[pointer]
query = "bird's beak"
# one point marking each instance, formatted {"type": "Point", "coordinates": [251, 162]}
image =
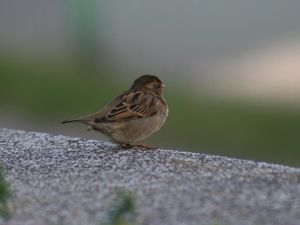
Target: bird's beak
{"type": "Point", "coordinates": [163, 85]}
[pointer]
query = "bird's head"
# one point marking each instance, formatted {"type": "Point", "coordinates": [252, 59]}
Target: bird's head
{"type": "Point", "coordinates": [148, 82]}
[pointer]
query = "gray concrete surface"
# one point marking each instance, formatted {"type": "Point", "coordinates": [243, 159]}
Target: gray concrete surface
{"type": "Point", "coordinates": [58, 180]}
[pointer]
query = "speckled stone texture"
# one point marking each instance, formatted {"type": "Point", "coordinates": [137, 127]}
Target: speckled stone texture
{"type": "Point", "coordinates": [58, 180]}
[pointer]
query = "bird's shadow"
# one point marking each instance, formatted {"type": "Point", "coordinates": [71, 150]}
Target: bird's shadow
{"type": "Point", "coordinates": [138, 147]}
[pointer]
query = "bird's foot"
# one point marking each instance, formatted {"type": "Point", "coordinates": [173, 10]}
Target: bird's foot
{"type": "Point", "coordinates": [143, 146]}
{"type": "Point", "coordinates": [126, 146]}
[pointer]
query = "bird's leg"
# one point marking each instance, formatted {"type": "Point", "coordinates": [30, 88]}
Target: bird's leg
{"type": "Point", "coordinates": [143, 146]}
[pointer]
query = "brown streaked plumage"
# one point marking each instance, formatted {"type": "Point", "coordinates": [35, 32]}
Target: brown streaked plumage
{"type": "Point", "coordinates": [134, 115]}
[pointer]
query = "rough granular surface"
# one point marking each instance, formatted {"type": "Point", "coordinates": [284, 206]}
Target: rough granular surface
{"type": "Point", "coordinates": [58, 180]}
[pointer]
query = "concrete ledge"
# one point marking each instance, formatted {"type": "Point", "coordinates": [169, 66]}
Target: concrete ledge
{"type": "Point", "coordinates": [64, 180]}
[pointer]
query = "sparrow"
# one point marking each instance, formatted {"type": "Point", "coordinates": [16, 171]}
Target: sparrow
{"type": "Point", "coordinates": [132, 116]}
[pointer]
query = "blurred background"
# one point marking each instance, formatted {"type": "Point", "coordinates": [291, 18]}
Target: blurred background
{"type": "Point", "coordinates": [232, 69]}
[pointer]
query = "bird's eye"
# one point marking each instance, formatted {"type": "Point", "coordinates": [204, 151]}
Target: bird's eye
{"type": "Point", "coordinates": [156, 85]}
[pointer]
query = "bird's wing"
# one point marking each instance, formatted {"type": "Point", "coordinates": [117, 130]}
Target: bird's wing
{"type": "Point", "coordinates": [130, 105]}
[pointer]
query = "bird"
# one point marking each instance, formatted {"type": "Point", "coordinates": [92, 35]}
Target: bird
{"type": "Point", "coordinates": [133, 116]}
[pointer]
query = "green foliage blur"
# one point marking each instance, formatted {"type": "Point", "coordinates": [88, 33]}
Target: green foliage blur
{"type": "Point", "coordinates": [4, 196]}
{"type": "Point", "coordinates": [46, 92]}
{"type": "Point", "coordinates": [122, 210]}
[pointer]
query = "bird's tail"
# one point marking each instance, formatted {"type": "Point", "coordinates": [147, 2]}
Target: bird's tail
{"type": "Point", "coordinates": [71, 121]}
